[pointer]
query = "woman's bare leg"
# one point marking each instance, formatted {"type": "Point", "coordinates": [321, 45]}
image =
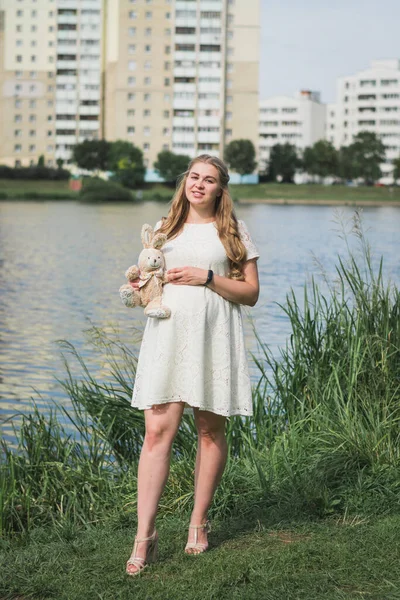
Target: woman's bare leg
{"type": "Point", "coordinates": [162, 422]}
{"type": "Point", "coordinates": [212, 451]}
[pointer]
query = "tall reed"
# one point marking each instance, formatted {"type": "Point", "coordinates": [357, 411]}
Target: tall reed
{"type": "Point", "coordinates": [325, 435]}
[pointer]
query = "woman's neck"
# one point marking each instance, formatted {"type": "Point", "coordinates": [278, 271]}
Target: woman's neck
{"type": "Point", "coordinates": [197, 217]}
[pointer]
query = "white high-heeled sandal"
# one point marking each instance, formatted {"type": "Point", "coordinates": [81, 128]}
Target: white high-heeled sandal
{"type": "Point", "coordinates": [151, 554]}
{"type": "Point", "coordinates": [199, 546]}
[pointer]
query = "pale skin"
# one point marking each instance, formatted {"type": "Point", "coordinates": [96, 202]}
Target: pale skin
{"type": "Point", "coordinates": [162, 421]}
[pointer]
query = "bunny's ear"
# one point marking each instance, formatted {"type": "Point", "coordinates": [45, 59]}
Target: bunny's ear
{"type": "Point", "coordinates": [147, 235]}
{"type": "Point", "coordinates": [159, 240]}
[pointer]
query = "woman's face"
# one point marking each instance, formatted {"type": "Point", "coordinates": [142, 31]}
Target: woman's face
{"type": "Point", "coordinates": [202, 185]}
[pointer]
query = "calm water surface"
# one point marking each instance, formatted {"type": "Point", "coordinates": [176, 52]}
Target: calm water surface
{"type": "Point", "coordinates": [61, 264]}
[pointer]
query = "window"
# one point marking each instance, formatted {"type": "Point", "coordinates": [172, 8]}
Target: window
{"type": "Point", "coordinates": [147, 65]}
{"type": "Point", "coordinates": [147, 113]}
{"type": "Point", "coordinates": [17, 148]}
{"type": "Point", "coordinates": [147, 48]}
{"type": "Point", "coordinates": [130, 130]}
{"type": "Point", "coordinates": [32, 133]}
{"type": "Point", "coordinates": [18, 103]}
{"type": "Point", "coordinates": [34, 13]}
{"type": "Point", "coordinates": [32, 118]}
{"type": "Point", "coordinates": [17, 118]}
{"type": "Point", "coordinates": [18, 28]}
{"type": "Point", "coordinates": [131, 97]}
{"type": "Point", "coordinates": [148, 14]}
{"type": "Point", "coordinates": [167, 31]}
{"type": "Point", "coordinates": [167, 81]}
{"type": "Point", "coordinates": [32, 148]}
{"type": "Point", "coordinates": [132, 14]}
{"type": "Point", "coordinates": [147, 31]}
{"type": "Point", "coordinates": [19, 42]}
{"type": "Point", "coordinates": [131, 48]}
{"type": "Point", "coordinates": [131, 112]}
{"type": "Point", "coordinates": [49, 133]}
{"type": "Point", "coordinates": [17, 133]}
{"type": "Point", "coordinates": [228, 116]}
{"type": "Point", "coordinates": [165, 131]}
{"type": "Point", "coordinates": [389, 82]}
{"type": "Point", "coordinates": [132, 31]}
{"type": "Point", "coordinates": [33, 58]}
{"type": "Point", "coordinates": [167, 15]}
{"type": "Point", "coordinates": [18, 58]}
{"type": "Point", "coordinates": [32, 87]}
{"type": "Point", "coordinates": [146, 146]}
{"type": "Point", "coordinates": [20, 13]}
{"type": "Point", "coordinates": [166, 114]}
{"type": "Point", "coordinates": [131, 81]}
{"type": "Point", "coordinates": [229, 99]}
{"type": "Point", "coordinates": [147, 80]}
{"type": "Point", "coordinates": [147, 97]}
{"type": "Point", "coordinates": [132, 65]}
{"type": "Point", "coordinates": [167, 66]}
{"type": "Point", "coordinates": [167, 97]}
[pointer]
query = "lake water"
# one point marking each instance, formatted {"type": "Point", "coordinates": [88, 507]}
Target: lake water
{"type": "Point", "coordinates": [62, 263]}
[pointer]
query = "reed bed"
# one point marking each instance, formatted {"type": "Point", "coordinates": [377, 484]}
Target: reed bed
{"type": "Point", "coordinates": [325, 436]}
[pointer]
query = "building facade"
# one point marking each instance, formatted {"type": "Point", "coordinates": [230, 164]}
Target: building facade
{"type": "Point", "coordinates": [299, 121]}
{"type": "Point", "coordinates": [180, 75]}
{"type": "Point", "coordinates": [369, 101]}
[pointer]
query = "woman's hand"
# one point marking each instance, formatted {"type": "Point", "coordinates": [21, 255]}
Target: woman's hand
{"type": "Point", "coordinates": [135, 284]}
{"type": "Point", "coordinates": [187, 276]}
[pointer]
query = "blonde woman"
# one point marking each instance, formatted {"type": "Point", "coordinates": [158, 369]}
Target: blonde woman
{"type": "Point", "coordinates": [195, 359]}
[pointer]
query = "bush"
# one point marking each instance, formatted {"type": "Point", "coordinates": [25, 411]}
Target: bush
{"type": "Point", "coordinates": [98, 190]}
{"type": "Point", "coordinates": [34, 173]}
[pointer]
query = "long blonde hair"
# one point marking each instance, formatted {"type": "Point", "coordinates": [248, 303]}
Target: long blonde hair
{"type": "Point", "coordinates": [225, 218]}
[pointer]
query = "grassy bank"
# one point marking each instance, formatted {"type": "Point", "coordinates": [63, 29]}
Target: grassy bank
{"type": "Point", "coordinates": [316, 467]}
{"type": "Point", "coordinates": [261, 559]}
{"type": "Point", "coordinates": [262, 193]}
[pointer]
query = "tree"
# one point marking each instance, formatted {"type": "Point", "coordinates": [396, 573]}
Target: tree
{"type": "Point", "coordinates": [240, 156]}
{"type": "Point", "coordinates": [60, 163]}
{"type": "Point", "coordinates": [347, 168]}
{"type": "Point", "coordinates": [321, 159]}
{"type": "Point", "coordinates": [126, 162]}
{"type": "Point", "coordinates": [283, 162]}
{"type": "Point", "coordinates": [396, 169]}
{"type": "Point", "coordinates": [92, 155]}
{"type": "Point", "coordinates": [368, 153]}
{"type": "Point", "coordinates": [41, 161]}
{"type": "Point", "coordinates": [169, 165]}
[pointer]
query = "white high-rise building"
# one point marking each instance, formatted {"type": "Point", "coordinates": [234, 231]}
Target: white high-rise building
{"type": "Point", "coordinates": [299, 121]}
{"type": "Point", "coordinates": [369, 101]}
{"type": "Point", "coordinates": [78, 75]}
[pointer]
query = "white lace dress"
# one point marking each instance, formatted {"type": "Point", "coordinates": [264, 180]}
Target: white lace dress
{"type": "Point", "coordinates": [197, 355]}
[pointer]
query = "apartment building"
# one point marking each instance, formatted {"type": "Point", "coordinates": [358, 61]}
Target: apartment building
{"type": "Point", "coordinates": [181, 75]}
{"type": "Point", "coordinates": [299, 121]}
{"type": "Point", "coordinates": [370, 101]}
{"type": "Point", "coordinates": [27, 81]}
{"type": "Point", "coordinates": [78, 73]}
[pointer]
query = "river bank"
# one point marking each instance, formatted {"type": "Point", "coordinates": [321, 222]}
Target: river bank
{"type": "Point", "coordinates": [263, 193]}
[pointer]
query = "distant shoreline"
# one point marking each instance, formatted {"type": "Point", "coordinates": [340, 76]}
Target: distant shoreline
{"type": "Point", "coordinates": [319, 202]}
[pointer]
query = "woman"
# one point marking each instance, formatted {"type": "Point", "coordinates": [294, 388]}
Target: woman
{"type": "Point", "coordinates": [195, 359]}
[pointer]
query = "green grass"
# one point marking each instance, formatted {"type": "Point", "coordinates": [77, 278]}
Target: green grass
{"type": "Point", "coordinates": [333, 193]}
{"type": "Point", "coordinates": [265, 557]}
{"type": "Point", "coordinates": [14, 189]}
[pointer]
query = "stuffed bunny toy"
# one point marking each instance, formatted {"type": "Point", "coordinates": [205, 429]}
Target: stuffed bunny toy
{"type": "Point", "coordinates": [151, 274]}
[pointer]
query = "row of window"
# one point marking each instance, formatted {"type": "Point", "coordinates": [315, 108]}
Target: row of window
{"type": "Point", "coordinates": [374, 97]}
{"type": "Point", "coordinates": [274, 111]}
{"type": "Point", "coordinates": [179, 113]}
{"type": "Point", "coordinates": [147, 15]}
{"type": "Point", "coordinates": [31, 149]}
{"type": "Point", "coordinates": [33, 14]}
{"type": "Point", "coordinates": [373, 82]}
{"type": "Point", "coordinates": [283, 123]}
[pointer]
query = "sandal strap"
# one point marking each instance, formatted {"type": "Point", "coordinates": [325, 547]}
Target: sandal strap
{"type": "Point", "coordinates": [152, 537]}
{"type": "Point", "coordinates": [206, 525]}
{"type": "Point", "coordinates": [136, 561]}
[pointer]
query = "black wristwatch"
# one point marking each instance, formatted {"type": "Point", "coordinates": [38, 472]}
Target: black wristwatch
{"type": "Point", "coordinates": [209, 277]}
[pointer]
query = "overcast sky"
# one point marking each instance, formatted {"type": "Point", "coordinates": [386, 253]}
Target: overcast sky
{"type": "Point", "coordinates": [307, 44]}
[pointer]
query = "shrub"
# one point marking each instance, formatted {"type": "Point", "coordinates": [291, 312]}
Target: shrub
{"type": "Point", "coordinates": [98, 190]}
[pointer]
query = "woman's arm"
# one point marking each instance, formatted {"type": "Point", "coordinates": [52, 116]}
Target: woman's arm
{"type": "Point", "coordinates": [241, 292]}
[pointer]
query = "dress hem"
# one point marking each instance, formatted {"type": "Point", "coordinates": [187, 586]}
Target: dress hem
{"type": "Point", "coordinates": [190, 405]}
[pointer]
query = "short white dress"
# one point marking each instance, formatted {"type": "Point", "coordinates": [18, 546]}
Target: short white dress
{"type": "Point", "coordinates": [197, 355]}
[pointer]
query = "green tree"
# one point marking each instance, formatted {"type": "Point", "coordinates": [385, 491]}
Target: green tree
{"type": "Point", "coordinates": [240, 156]}
{"type": "Point", "coordinates": [396, 168]}
{"type": "Point", "coordinates": [126, 162]}
{"type": "Point", "coordinates": [60, 163]}
{"type": "Point", "coordinates": [347, 168]}
{"type": "Point", "coordinates": [321, 159]}
{"type": "Point", "coordinates": [41, 161]}
{"type": "Point", "coordinates": [92, 155]}
{"type": "Point", "coordinates": [283, 162]}
{"type": "Point", "coordinates": [169, 165]}
{"type": "Point", "coordinates": [368, 153]}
